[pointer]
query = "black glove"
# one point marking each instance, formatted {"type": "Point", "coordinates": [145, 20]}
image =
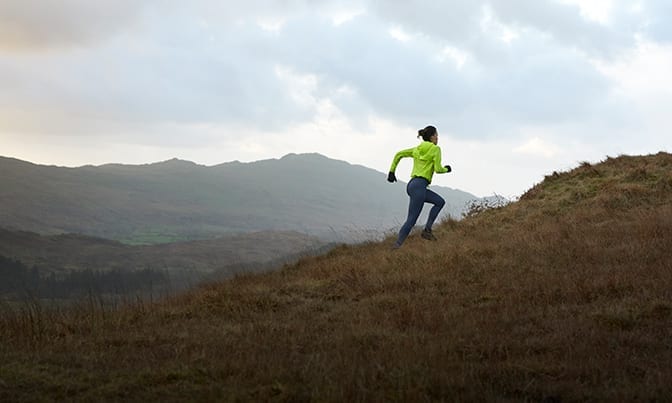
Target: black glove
{"type": "Point", "coordinates": [448, 168]}
{"type": "Point", "coordinates": [391, 177]}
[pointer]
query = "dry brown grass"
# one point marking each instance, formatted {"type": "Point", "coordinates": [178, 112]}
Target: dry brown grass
{"type": "Point", "coordinates": [564, 295]}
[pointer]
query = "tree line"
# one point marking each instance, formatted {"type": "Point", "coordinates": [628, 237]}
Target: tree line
{"type": "Point", "coordinates": [18, 280]}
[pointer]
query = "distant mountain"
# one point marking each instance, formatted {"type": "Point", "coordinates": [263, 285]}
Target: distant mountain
{"type": "Point", "coordinates": [180, 200]}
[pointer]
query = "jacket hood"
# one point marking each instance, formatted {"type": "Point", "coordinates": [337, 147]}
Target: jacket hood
{"type": "Point", "coordinates": [423, 150]}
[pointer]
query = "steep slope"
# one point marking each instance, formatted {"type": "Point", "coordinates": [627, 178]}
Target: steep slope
{"type": "Point", "coordinates": [179, 200]}
{"type": "Point", "coordinates": [565, 295]}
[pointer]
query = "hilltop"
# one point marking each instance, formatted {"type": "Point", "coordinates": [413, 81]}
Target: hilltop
{"type": "Point", "coordinates": [564, 295]}
{"type": "Point", "coordinates": [178, 200]}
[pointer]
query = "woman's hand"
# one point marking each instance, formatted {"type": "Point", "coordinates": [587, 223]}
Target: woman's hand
{"type": "Point", "coordinates": [391, 177]}
{"type": "Point", "coordinates": [449, 169]}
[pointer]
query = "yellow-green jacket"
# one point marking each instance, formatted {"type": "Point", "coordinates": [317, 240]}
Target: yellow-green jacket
{"type": "Point", "coordinates": [426, 160]}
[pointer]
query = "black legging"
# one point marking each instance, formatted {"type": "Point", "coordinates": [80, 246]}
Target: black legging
{"type": "Point", "coordinates": [419, 195]}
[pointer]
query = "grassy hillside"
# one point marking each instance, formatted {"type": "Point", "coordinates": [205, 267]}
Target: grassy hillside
{"type": "Point", "coordinates": [178, 200]}
{"type": "Point", "coordinates": [564, 295]}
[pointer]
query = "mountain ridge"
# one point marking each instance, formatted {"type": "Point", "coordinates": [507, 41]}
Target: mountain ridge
{"type": "Point", "coordinates": [309, 193]}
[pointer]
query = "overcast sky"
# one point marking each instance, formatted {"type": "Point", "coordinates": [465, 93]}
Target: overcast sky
{"type": "Point", "coordinates": [516, 88]}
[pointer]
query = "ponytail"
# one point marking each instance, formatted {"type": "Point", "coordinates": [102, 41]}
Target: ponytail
{"type": "Point", "coordinates": [427, 133]}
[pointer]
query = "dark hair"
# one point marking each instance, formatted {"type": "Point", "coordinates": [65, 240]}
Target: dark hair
{"type": "Point", "coordinates": [427, 132]}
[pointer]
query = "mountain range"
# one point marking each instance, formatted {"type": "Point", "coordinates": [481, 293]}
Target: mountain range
{"type": "Point", "coordinates": [178, 200]}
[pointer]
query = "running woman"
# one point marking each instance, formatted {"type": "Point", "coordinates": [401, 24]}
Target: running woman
{"type": "Point", "coordinates": [426, 161]}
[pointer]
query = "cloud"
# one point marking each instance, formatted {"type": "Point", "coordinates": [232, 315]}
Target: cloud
{"type": "Point", "coordinates": [217, 63]}
{"type": "Point", "coordinates": [473, 25]}
{"type": "Point", "coordinates": [657, 25]}
{"type": "Point", "coordinates": [132, 85]}
{"type": "Point", "coordinates": [34, 25]}
{"type": "Point", "coordinates": [411, 80]}
{"type": "Point", "coordinates": [565, 24]}
{"type": "Point", "coordinates": [538, 147]}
